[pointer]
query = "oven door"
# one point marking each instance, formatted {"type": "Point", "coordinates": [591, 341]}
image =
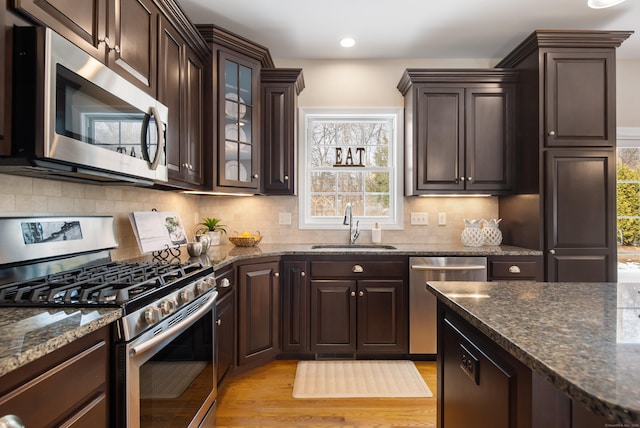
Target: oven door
{"type": "Point", "coordinates": [169, 377]}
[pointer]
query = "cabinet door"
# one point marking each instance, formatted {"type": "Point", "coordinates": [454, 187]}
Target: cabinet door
{"type": "Point", "coordinates": [82, 22]}
{"type": "Point", "coordinates": [192, 138]}
{"type": "Point", "coordinates": [333, 316]}
{"type": "Point", "coordinates": [477, 391]}
{"type": "Point", "coordinates": [238, 133]}
{"type": "Point", "coordinates": [381, 316]}
{"type": "Point", "coordinates": [225, 335]}
{"type": "Point", "coordinates": [170, 93]}
{"type": "Point", "coordinates": [580, 215]}
{"type": "Point", "coordinates": [259, 312]}
{"type": "Point", "coordinates": [580, 99]}
{"type": "Point", "coordinates": [490, 137]}
{"type": "Point", "coordinates": [278, 103]}
{"type": "Point", "coordinates": [133, 28]}
{"type": "Point", "coordinates": [439, 156]}
{"type": "Point", "coordinates": [295, 310]}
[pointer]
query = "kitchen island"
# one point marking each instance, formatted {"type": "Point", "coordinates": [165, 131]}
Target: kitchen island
{"type": "Point", "coordinates": [571, 349]}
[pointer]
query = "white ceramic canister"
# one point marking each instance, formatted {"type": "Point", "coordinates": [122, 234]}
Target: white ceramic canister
{"type": "Point", "coordinates": [472, 234]}
{"type": "Point", "coordinates": [491, 231]}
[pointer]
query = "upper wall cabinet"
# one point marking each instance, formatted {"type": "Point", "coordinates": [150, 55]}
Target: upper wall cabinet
{"type": "Point", "coordinates": [235, 126]}
{"type": "Point", "coordinates": [459, 130]}
{"type": "Point", "coordinates": [280, 90]}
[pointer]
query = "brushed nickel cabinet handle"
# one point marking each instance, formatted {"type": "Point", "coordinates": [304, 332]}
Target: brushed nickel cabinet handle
{"type": "Point", "coordinates": [552, 251]}
{"type": "Point", "coordinates": [361, 293]}
{"type": "Point", "coordinates": [552, 133]}
{"type": "Point", "coordinates": [353, 294]}
{"type": "Point", "coordinates": [357, 269]}
{"type": "Point", "coordinates": [514, 269]}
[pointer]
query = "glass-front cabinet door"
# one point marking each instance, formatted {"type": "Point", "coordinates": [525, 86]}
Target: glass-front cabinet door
{"type": "Point", "coordinates": [238, 136]}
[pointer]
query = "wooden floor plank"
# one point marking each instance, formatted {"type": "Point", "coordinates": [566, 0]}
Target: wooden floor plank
{"type": "Point", "coordinates": [262, 398]}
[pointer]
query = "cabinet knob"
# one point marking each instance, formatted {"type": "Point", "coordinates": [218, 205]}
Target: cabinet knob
{"type": "Point", "coordinates": [469, 179]}
{"type": "Point", "coordinates": [514, 269]}
{"type": "Point", "coordinates": [552, 251]}
{"type": "Point", "coordinates": [11, 421]}
{"type": "Point", "coordinates": [276, 274]}
{"type": "Point", "coordinates": [353, 294]}
{"type": "Point", "coordinates": [361, 293]}
{"type": "Point", "coordinates": [303, 274]}
{"type": "Point", "coordinates": [225, 283]}
{"type": "Point", "coordinates": [107, 43]}
{"type": "Point", "coordinates": [461, 178]}
{"type": "Point", "coordinates": [552, 133]}
{"type": "Point", "coordinates": [218, 321]}
{"type": "Point", "coordinates": [255, 175]}
{"type": "Point", "coordinates": [286, 178]}
{"type": "Point", "coordinates": [357, 269]}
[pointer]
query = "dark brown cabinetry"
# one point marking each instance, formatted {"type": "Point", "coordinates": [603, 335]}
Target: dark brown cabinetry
{"type": "Point", "coordinates": [280, 90]}
{"type": "Point", "coordinates": [295, 306]}
{"type": "Point", "coordinates": [53, 384]}
{"type": "Point", "coordinates": [566, 151]}
{"type": "Point", "coordinates": [460, 130]}
{"type": "Point", "coordinates": [225, 323]}
{"type": "Point", "coordinates": [258, 311]}
{"type": "Point", "coordinates": [515, 268]}
{"type": "Point", "coordinates": [235, 88]}
{"type": "Point", "coordinates": [358, 306]}
{"type": "Point", "coordinates": [181, 89]}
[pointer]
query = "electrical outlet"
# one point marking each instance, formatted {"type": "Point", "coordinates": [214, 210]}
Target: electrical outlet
{"type": "Point", "coordinates": [420, 219]}
{"type": "Point", "coordinates": [442, 219]}
{"type": "Point", "coordinates": [284, 218]}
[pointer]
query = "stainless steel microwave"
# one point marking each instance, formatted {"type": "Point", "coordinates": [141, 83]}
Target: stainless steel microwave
{"type": "Point", "coordinates": [75, 119]}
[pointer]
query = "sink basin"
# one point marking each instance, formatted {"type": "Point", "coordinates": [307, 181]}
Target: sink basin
{"type": "Point", "coordinates": [353, 247]}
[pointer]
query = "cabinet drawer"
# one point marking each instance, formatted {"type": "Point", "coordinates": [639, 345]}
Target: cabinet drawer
{"type": "Point", "coordinates": [514, 270]}
{"type": "Point", "coordinates": [357, 269]}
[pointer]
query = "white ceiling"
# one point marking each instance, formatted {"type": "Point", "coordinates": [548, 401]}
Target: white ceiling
{"type": "Point", "coordinates": [304, 29]}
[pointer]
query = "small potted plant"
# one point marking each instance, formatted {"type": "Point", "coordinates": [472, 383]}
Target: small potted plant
{"type": "Point", "coordinates": [213, 229]}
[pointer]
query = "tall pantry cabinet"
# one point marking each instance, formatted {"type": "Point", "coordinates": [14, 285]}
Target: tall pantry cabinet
{"type": "Point", "coordinates": [566, 189]}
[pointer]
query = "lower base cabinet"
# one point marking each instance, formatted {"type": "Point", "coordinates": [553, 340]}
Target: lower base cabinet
{"type": "Point", "coordinates": [69, 387]}
{"type": "Point", "coordinates": [480, 385]}
{"type": "Point", "coordinates": [258, 311]}
{"type": "Point", "coordinates": [225, 324]}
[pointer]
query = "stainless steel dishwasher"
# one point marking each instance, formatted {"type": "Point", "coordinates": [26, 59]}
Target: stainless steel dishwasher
{"type": "Point", "coordinates": [422, 304]}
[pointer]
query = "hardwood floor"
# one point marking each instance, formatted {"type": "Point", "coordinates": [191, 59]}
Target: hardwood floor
{"type": "Point", "coordinates": [262, 397]}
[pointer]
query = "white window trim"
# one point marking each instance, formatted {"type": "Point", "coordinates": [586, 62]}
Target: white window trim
{"type": "Point", "coordinates": [395, 220]}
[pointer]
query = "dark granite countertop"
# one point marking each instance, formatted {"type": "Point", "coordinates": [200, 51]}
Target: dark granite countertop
{"type": "Point", "coordinates": [582, 337]}
{"type": "Point", "coordinates": [223, 255]}
{"type": "Point", "coordinates": [30, 333]}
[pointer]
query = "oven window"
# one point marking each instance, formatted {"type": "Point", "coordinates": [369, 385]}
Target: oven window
{"type": "Point", "coordinates": [178, 379]}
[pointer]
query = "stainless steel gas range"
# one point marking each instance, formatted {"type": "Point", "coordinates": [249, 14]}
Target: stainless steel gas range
{"type": "Point", "coordinates": [164, 363]}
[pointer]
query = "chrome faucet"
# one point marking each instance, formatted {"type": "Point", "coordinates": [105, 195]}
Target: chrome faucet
{"type": "Point", "coordinates": [348, 219]}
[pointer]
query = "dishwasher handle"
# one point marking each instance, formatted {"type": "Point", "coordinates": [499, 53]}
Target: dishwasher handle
{"type": "Point", "coordinates": [449, 267]}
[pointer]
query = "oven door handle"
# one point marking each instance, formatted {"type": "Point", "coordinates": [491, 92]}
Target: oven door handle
{"type": "Point", "coordinates": [175, 329]}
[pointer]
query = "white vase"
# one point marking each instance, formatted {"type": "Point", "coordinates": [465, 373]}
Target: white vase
{"type": "Point", "coordinates": [492, 234]}
{"type": "Point", "coordinates": [472, 235]}
{"type": "Point", "coordinates": [214, 237]}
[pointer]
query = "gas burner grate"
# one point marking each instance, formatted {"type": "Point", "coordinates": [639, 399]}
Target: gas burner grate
{"type": "Point", "coordinates": [112, 283]}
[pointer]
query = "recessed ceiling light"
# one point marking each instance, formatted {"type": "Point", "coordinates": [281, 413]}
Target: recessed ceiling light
{"type": "Point", "coordinates": [601, 4]}
{"type": "Point", "coordinates": [347, 42]}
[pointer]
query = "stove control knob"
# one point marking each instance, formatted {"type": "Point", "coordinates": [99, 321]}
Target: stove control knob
{"type": "Point", "coordinates": [202, 287]}
{"type": "Point", "coordinates": [152, 315]}
{"type": "Point", "coordinates": [167, 306]}
{"type": "Point", "coordinates": [186, 295]}
{"type": "Point", "coordinates": [211, 281]}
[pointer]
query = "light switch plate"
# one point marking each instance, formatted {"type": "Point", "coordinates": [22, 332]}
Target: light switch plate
{"type": "Point", "coordinates": [442, 219]}
{"type": "Point", "coordinates": [419, 219]}
{"type": "Point", "coordinates": [284, 218]}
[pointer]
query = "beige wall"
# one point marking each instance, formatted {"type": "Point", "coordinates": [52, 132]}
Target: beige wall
{"type": "Point", "coordinates": [328, 83]}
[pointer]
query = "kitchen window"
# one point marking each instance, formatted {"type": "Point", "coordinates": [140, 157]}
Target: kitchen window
{"type": "Point", "coordinates": [350, 156]}
{"type": "Point", "coordinates": [628, 204]}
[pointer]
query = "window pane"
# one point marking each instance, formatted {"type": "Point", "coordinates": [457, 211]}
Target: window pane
{"type": "Point", "coordinates": [376, 205]}
{"type": "Point", "coordinates": [349, 182]}
{"type": "Point", "coordinates": [323, 206]}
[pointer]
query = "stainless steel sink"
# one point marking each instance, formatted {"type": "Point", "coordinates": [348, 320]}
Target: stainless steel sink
{"type": "Point", "coordinates": [353, 247]}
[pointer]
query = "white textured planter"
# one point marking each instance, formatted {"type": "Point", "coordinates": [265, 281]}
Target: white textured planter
{"type": "Point", "coordinates": [215, 237]}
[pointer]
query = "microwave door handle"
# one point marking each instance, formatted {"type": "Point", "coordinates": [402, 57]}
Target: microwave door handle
{"type": "Point", "coordinates": [156, 115]}
{"type": "Point", "coordinates": [176, 328]}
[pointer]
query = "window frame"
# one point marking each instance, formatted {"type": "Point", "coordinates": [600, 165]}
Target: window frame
{"type": "Point", "coordinates": [396, 159]}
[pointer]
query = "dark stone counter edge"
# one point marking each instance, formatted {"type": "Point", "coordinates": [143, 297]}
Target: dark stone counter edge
{"type": "Point", "coordinates": [13, 362]}
{"type": "Point", "coordinates": [597, 405]}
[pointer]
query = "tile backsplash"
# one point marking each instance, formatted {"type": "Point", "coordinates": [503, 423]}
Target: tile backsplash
{"type": "Point", "coordinates": [23, 196]}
